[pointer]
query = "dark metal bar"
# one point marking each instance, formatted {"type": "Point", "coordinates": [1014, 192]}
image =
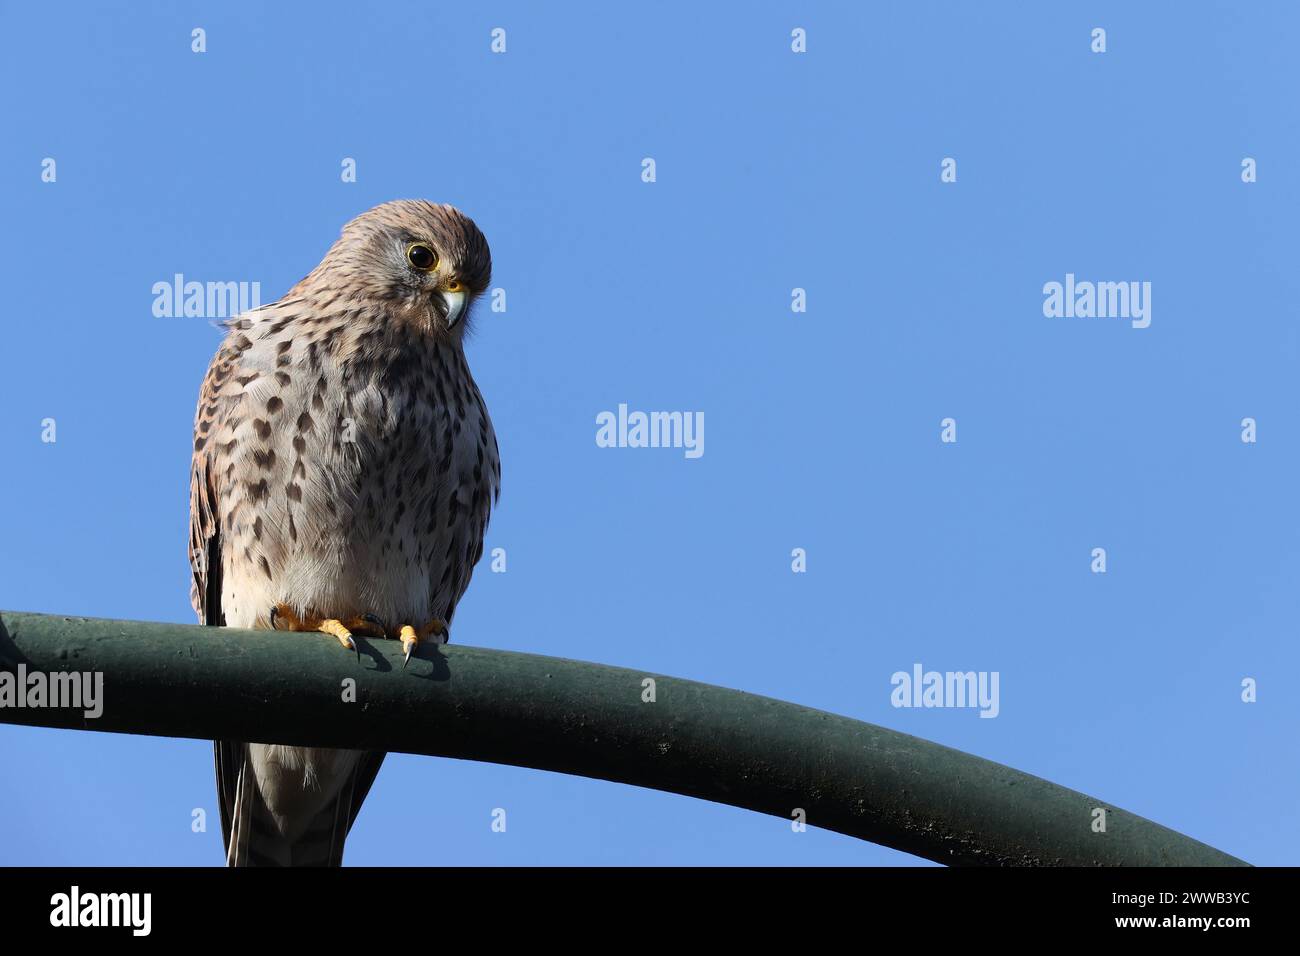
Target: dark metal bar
{"type": "Point", "coordinates": [573, 717]}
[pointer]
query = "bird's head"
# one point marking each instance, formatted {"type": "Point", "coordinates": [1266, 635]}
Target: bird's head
{"type": "Point", "coordinates": [420, 262]}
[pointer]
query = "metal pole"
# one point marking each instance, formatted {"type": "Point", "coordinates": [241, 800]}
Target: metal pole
{"type": "Point", "coordinates": [573, 717]}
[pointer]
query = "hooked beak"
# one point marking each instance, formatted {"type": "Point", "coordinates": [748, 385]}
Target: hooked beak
{"type": "Point", "coordinates": [454, 303]}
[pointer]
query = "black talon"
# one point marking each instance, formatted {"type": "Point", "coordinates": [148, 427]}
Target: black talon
{"type": "Point", "coordinates": [274, 612]}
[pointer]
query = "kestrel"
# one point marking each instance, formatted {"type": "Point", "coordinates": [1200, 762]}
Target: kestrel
{"type": "Point", "coordinates": [344, 469]}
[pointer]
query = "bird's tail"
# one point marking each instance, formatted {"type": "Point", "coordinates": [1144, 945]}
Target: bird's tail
{"type": "Point", "coordinates": [251, 835]}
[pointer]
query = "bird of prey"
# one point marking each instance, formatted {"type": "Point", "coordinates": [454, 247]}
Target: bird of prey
{"type": "Point", "coordinates": [344, 469]}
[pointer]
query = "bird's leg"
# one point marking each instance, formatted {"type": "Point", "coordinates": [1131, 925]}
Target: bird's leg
{"type": "Point", "coordinates": [343, 630]}
{"type": "Point", "coordinates": [410, 637]}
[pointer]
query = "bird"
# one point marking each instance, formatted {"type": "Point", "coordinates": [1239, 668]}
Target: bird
{"type": "Point", "coordinates": [343, 476]}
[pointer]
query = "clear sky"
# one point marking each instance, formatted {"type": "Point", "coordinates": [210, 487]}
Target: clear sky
{"type": "Point", "coordinates": [774, 171]}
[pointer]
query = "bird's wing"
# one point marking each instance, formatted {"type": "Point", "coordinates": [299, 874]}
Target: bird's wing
{"type": "Point", "coordinates": [205, 523]}
{"type": "Point", "coordinates": [483, 496]}
{"type": "Point", "coordinates": [205, 552]}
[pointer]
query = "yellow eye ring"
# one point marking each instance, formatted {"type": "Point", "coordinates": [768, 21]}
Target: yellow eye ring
{"type": "Point", "coordinates": [421, 257]}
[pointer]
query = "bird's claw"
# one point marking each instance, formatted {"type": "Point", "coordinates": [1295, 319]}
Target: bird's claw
{"type": "Point", "coordinates": [410, 637]}
{"type": "Point", "coordinates": [341, 630]}
{"type": "Point", "coordinates": [344, 630]}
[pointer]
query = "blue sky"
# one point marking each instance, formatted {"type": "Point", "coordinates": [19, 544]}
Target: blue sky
{"type": "Point", "coordinates": [775, 170]}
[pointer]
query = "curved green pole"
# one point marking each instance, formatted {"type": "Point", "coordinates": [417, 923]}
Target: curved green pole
{"type": "Point", "coordinates": [568, 716]}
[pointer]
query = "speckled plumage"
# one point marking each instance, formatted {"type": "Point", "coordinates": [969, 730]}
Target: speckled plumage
{"type": "Point", "coordinates": [344, 464]}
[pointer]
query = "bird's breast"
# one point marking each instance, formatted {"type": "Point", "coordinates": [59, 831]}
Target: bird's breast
{"type": "Point", "coordinates": [360, 489]}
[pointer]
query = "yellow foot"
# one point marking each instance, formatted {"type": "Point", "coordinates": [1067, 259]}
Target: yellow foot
{"type": "Point", "coordinates": [410, 637]}
{"type": "Point", "coordinates": [283, 618]}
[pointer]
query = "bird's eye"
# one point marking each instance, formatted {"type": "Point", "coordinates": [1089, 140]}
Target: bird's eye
{"type": "Point", "coordinates": [421, 256]}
